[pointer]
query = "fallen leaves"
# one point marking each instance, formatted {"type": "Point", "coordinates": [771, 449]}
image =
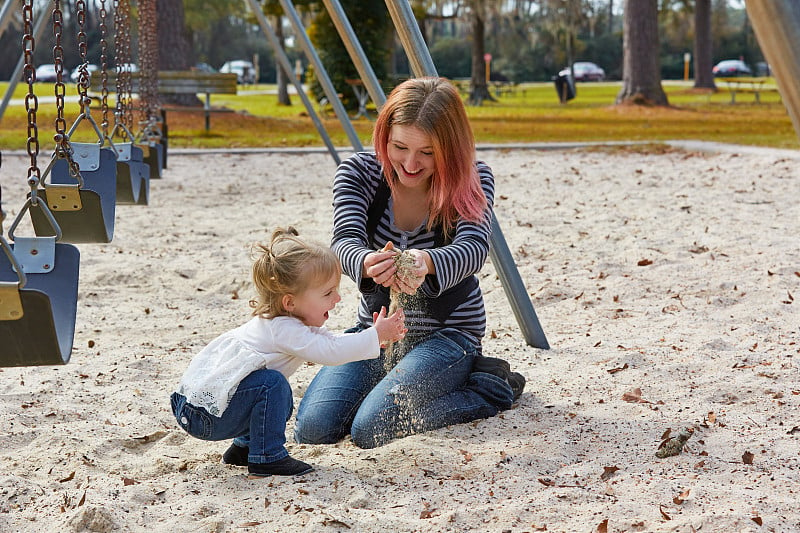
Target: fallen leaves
{"type": "Point", "coordinates": [747, 458]}
{"type": "Point", "coordinates": [635, 396]}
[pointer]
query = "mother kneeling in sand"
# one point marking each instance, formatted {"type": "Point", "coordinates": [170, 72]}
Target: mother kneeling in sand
{"type": "Point", "coordinates": [413, 221]}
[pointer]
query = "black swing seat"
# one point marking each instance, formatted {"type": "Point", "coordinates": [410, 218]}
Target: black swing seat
{"type": "Point", "coordinates": [37, 322]}
{"type": "Point", "coordinates": [154, 156]}
{"type": "Point", "coordinates": [133, 175]}
{"type": "Point", "coordinates": [85, 214]}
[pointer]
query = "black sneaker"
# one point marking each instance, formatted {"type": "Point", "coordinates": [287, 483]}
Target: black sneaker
{"type": "Point", "coordinates": [236, 455]}
{"type": "Point", "coordinates": [517, 382]}
{"type": "Point", "coordinates": [288, 466]}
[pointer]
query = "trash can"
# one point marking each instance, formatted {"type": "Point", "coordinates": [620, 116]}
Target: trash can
{"type": "Point", "coordinates": [565, 86]}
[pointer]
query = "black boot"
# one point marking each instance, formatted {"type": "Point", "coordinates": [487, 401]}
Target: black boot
{"type": "Point", "coordinates": [236, 455]}
{"type": "Point", "coordinates": [288, 466]}
{"type": "Point", "coordinates": [500, 368]}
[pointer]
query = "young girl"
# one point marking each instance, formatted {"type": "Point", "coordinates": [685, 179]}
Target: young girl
{"type": "Point", "coordinates": [237, 387]}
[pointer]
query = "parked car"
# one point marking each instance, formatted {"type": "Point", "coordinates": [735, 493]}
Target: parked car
{"type": "Point", "coordinates": [46, 72]}
{"type": "Point", "coordinates": [731, 67]}
{"type": "Point", "coordinates": [204, 67]}
{"type": "Point", "coordinates": [585, 71]}
{"type": "Point", "coordinates": [76, 72]}
{"type": "Point", "coordinates": [244, 70]}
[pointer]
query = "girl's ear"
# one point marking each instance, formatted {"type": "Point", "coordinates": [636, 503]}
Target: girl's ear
{"type": "Point", "coordinates": [288, 302]}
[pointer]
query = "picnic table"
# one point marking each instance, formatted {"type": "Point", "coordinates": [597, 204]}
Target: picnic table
{"type": "Point", "coordinates": [748, 84]}
{"type": "Point", "coordinates": [362, 95]}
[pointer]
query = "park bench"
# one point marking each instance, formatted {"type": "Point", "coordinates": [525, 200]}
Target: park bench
{"type": "Point", "coordinates": [184, 82]}
{"type": "Point", "coordinates": [748, 85]}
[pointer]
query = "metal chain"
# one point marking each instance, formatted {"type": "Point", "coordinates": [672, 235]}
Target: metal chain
{"type": "Point", "coordinates": [58, 59]}
{"type": "Point", "coordinates": [31, 102]}
{"type": "Point", "coordinates": [104, 67]}
{"type": "Point", "coordinates": [122, 51]}
{"type": "Point", "coordinates": [83, 77]}
{"type": "Point", "coordinates": [63, 147]}
{"type": "Point", "coordinates": [148, 58]}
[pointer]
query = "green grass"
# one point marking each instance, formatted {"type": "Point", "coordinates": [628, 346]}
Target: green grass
{"type": "Point", "coordinates": [531, 114]}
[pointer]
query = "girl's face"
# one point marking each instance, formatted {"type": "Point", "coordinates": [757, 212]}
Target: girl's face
{"type": "Point", "coordinates": [410, 152]}
{"type": "Point", "coordinates": [313, 305]}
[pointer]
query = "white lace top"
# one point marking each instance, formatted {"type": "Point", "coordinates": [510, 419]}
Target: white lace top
{"type": "Point", "coordinates": [281, 343]}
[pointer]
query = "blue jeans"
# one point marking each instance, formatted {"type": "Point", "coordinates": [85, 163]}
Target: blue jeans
{"type": "Point", "coordinates": [255, 417]}
{"type": "Point", "coordinates": [432, 386]}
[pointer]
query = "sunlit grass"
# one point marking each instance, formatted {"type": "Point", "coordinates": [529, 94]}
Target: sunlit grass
{"type": "Point", "coordinates": [532, 113]}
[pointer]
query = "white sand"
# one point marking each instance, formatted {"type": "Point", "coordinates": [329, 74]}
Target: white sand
{"type": "Point", "coordinates": [708, 332]}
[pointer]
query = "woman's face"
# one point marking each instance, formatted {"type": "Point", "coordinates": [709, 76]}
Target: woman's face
{"type": "Point", "coordinates": [410, 153]}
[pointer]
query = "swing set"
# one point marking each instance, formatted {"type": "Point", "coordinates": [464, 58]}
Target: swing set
{"type": "Point", "coordinates": [74, 200]}
{"type": "Point", "coordinates": [39, 274]}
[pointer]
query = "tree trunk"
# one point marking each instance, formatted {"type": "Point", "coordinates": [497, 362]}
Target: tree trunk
{"type": "Point", "coordinates": [174, 51]}
{"type": "Point", "coordinates": [280, 75]}
{"type": "Point", "coordinates": [703, 76]}
{"type": "Point", "coordinates": [479, 89]}
{"type": "Point", "coordinates": [641, 76]}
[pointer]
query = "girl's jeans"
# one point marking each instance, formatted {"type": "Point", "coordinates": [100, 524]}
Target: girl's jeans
{"type": "Point", "coordinates": [432, 386]}
{"type": "Point", "coordinates": [255, 417]}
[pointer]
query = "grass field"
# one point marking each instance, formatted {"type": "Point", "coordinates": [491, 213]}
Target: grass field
{"type": "Point", "coordinates": [532, 113]}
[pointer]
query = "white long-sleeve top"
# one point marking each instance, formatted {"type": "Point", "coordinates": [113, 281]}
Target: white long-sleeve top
{"type": "Point", "coordinates": [281, 343]}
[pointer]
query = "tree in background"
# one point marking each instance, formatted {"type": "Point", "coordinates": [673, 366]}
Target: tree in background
{"type": "Point", "coordinates": [703, 57]}
{"type": "Point", "coordinates": [371, 24]}
{"type": "Point", "coordinates": [641, 74]}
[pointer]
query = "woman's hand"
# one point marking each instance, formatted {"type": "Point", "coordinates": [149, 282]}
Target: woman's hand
{"type": "Point", "coordinates": [409, 278]}
{"type": "Point", "coordinates": [380, 266]}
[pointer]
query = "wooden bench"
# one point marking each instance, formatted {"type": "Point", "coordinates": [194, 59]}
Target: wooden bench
{"type": "Point", "coordinates": [183, 82]}
{"type": "Point", "coordinates": [749, 85]}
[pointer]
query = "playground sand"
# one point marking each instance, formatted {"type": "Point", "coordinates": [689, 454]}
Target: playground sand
{"type": "Point", "coordinates": [667, 286]}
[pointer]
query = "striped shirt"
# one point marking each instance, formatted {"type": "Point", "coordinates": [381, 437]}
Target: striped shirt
{"type": "Point", "coordinates": [354, 187]}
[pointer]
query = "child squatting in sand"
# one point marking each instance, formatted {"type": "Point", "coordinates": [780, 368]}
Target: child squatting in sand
{"type": "Point", "coordinates": [236, 387]}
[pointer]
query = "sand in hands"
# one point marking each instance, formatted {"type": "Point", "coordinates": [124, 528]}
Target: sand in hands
{"type": "Point", "coordinates": [406, 265]}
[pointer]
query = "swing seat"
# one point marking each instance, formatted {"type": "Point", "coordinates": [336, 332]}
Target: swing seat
{"type": "Point", "coordinates": [42, 334]}
{"type": "Point", "coordinates": [133, 175]}
{"type": "Point", "coordinates": [155, 158]}
{"type": "Point", "coordinates": [85, 214]}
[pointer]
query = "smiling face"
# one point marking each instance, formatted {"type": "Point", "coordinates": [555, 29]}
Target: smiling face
{"type": "Point", "coordinates": [313, 305]}
{"type": "Point", "coordinates": [410, 152]}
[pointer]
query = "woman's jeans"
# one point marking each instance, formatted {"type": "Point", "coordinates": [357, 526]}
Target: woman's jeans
{"type": "Point", "coordinates": [255, 417]}
{"type": "Point", "coordinates": [432, 386]}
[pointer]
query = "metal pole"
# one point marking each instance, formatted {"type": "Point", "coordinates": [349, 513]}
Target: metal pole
{"type": "Point", "coordinates": [357, 54]}
{"type": "Point", "coordinates": [422, 65]}
{"type": "Point", "coordinates": [283, 61]}
{"type": "Point", "coordinates": [777, 27]}
{"type": "Point", "coordinates": [321, 74]}
{"type": "Point", "coordinates": [5, 15]}
{"type": "Point", "coordinates": [38, 28]}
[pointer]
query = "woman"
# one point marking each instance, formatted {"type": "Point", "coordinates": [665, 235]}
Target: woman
{"type": "Point", "coordinates": [422, 191]}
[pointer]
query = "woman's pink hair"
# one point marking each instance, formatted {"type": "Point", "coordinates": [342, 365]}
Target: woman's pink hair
{"type": "Point", "coordinates": [434, 106]}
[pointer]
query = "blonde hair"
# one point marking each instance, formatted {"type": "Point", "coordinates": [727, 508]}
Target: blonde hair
{"type": "Point", "coordinates": [434, 106]}
{"type": "Point", "coordinates": [288, 265]}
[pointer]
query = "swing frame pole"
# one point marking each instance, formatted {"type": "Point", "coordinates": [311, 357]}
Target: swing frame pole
{"type": "Point", "coordinates": [283, 60]}
{"type": "Point", "coordinates": [356, 52]}
{"type": "Point", "coordinates": [321, 74]}
{"type": "Point", "coordinates": [422, 65]}
{"type": "Point", "coordinates": [38, 28]}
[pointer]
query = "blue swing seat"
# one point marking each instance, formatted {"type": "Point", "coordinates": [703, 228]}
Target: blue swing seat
{"type": "Point", "coordinates": [44, 332]}
{"type": "Point", "coordinates": [133, 175]}
{"type": "Point", "coordinates": [91, 219]}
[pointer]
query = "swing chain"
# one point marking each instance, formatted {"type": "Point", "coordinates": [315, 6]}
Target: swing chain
{"type": "Point", "coordinates": [31, 101]}
{"type": "Point", "coordinates": [103, 67]}
{"type": "Point", "coordinates": [148, 57]}
{"type": "Point", "coordinates": [83, 68]}
{"type": "Point", "coordinates": [58, 60]}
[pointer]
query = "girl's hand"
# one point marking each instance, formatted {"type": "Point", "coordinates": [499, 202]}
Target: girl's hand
{"type": "Point", "coordinates": [380, 266]}
{"type": "Point", "coordinates": [390, 328]}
